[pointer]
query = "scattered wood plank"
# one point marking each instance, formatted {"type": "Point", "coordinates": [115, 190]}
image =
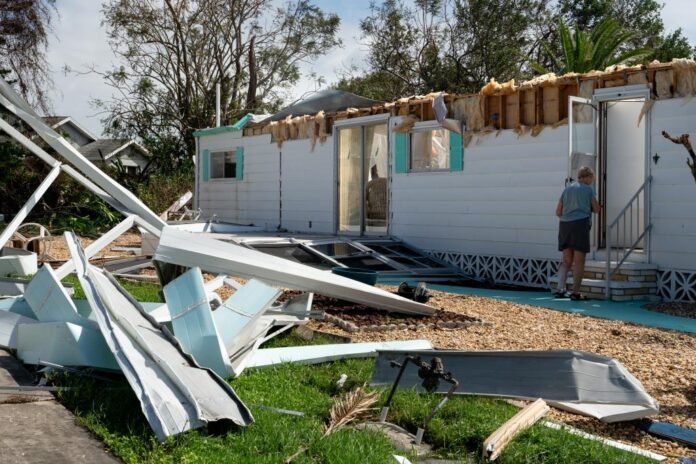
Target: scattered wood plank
{"type": "Point", "coordinates": [524, 419]}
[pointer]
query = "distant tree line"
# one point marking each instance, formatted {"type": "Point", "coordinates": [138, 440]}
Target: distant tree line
{"type": "Point", "coordinates": [419, 46]}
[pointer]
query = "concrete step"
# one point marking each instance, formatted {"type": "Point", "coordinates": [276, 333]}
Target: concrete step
{"type": "Point", "coordinates": [619, 290]}
{"type": "Point", "coordinates": [636, 256]}
{"type": "Point", "coordinates": [627, 266]}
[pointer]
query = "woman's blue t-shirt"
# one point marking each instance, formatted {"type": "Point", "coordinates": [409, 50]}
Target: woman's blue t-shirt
{"type": "Point", "coordinates": [577, 202]}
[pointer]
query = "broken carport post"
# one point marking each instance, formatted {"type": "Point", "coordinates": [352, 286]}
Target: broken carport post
{"type": "Point", "coordinates": [15, 105]}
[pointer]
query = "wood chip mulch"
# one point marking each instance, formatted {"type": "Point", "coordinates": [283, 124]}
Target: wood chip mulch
{"type": "Point", "coordinates": [356, 318]}
{"type": "Point", "coordinates": [664, 361]}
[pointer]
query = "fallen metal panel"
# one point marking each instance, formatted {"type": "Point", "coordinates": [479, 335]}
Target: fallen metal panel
{"type": "Point", "coordinates": [582, 382]}
{"type": "Point", "coordinates": [175, 393]}
{"type": "Point", "coordinates": [8, 328]}
{"type": "Point", "coordinates": [187, 249]}
{"type": "Point", "coordinates": [17, 305]}
{"type": "Point", "coordinates": [65, 344]}
{"type": "Point", "coordinates": [238, 315]}
{"type": "Point", "coordinates": [193, 322]}
{"type": "Point", "coordinates": [15, 261]}
{"type": "Point", "coordinates": [49, 301]}
{"type": "Point", "coordinates": [315, 354]}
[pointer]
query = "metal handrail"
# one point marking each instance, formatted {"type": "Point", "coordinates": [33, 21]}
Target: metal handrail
{"type": "Point", "coordinates": [621, 219]}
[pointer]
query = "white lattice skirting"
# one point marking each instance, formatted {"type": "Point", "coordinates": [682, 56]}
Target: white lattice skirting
{"type": "Point", "coordinates": [531, 272]}
{"type": "Point", "coordinates": [672, 285]}
{"type": "Point", "coordinates": [677, 285]}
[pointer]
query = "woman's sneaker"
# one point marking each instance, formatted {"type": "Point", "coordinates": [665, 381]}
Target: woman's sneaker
{"type": "Point", "coordinates": [557, 293]}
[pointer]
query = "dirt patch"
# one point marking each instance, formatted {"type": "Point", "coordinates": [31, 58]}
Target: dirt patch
{"type": "Point", "coordinates": [674, 309]}
{"type": "Point", "coordinates": [662, 360]}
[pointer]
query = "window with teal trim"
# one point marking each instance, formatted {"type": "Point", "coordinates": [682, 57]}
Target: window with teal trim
{"type": "Point", "coordinates": [223, 165]}
{"type": "Point", "coordinates": [435, 150]}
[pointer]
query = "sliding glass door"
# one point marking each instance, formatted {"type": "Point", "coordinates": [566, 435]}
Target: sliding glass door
{"type": "Point", "coordinates": [363, 179]}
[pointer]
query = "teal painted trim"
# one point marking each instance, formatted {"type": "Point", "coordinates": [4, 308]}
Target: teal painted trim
{"type": "Point", "coordinates": [205, 166]}
{"type": "Point", "coordinates": [401, 152]}
{"type": "Point", "coordinates": [456, 151]}
{"type": "Point", "coordinates": [237, 126]}
{"type": "Point", "coordinates": [239, 169]}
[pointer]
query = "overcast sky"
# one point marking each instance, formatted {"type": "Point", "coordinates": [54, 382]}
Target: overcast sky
{"type": "Point", "coordinates": [80, 41]}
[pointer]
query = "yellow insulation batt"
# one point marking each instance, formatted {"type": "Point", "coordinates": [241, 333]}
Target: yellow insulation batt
{"type": "Point", "coordinates": [470, 110]}
{"type": "Point", "coordinates": [684, 76]}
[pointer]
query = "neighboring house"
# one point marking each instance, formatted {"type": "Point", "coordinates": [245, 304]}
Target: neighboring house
{"type": "Point", "coordinates": [133, 156]}
{"type": "Point", "coordinates": [65, 125]}
{"type": "Point", "coordinates": [479, 189]}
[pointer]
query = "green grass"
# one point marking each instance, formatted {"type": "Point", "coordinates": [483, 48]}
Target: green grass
{"type": "Point", "coordinates": [141, 291]}
{"type": "Point", "coordinates": [112, 412]}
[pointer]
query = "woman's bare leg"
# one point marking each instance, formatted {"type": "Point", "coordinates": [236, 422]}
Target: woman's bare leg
{"type": "Point", "coordinates": [578, 270]}
{"type": "Point", "coordinates": [566, 265]}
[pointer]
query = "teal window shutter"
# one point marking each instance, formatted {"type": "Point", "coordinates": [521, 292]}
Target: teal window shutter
{"type": "Point", "coordinates": [456, 151]}
{"type": "Point", "coordinates": [239, 173]}
{"type": "Point", "coordinates": [401, 152]}
{"type": "Point", "coordinates": [205, 166]}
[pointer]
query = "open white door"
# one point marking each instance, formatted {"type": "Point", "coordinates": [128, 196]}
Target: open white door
{"type": "Point", "coordinates": [582, 136]}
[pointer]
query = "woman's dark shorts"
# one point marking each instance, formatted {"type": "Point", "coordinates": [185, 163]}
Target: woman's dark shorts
{"type": "Point", "coordinates": [575, 235]}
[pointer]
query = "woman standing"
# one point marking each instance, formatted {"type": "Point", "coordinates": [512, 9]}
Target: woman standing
{"type": "Point", "coordinates": [574, 209]}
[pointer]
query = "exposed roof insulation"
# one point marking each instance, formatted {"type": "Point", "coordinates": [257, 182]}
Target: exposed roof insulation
{"type": "Point", "coordinates": [541, 101]}
{"type": "Point", "coordinates": [684, 77]}
{"type": "Point", "coordinates": [470, 110]}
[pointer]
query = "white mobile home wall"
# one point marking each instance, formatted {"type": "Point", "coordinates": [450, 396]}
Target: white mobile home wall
{"type": "Point", "coordinates": [493, 219]}
{"type": "Point", "coordinates": [306, 176]}
{"type": "Point", "coordinates": [253, 200]}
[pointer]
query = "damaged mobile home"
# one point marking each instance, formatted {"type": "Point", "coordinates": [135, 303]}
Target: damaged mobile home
{"type": "Point", "coordinates": [474, 179]}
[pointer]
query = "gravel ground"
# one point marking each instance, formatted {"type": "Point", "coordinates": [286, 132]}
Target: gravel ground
{"type": "Point", "coordinates": [662, 360]}
{"type": "Point", "coordinates": [59, 250]}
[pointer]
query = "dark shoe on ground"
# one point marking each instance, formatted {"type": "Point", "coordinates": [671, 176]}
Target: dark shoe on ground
{"type": "Point", "coordinates": [578, 297]}
{"type": "Point", "coordinates": [561, 294]}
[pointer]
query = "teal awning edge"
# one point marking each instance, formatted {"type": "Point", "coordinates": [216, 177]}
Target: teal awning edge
{"type": "Point", "coordinates": [237, 126]}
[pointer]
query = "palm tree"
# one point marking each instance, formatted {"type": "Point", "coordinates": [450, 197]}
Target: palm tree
{"type": "Point", "coordinates": [583, 52]}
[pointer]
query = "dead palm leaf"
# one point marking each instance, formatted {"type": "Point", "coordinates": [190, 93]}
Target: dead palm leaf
{"type": "Point", "coordinates": [352, 406]}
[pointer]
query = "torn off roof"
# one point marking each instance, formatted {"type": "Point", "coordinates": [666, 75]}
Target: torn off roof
{"type": "Point", "coordinates": [325, 100]}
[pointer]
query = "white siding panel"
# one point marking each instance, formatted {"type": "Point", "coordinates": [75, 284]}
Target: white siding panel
{"type": "Point", "coordinates": [673, 189]}
{"type": "Point", "coordinates": [502, 203]}
{"type": "Point", "coordinates": [308, 186]}
{"type": "Point", "coordinates": [253, 200]}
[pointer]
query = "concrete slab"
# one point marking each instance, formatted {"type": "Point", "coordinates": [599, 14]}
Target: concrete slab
{"type": "Point", "coordinates": [43, 431]}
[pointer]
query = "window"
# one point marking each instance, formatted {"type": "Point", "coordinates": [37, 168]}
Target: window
{"type": "Point", "coordinates": [430, 150]}
{"type": "Point", "coordinates": [131, 170]}
{"type": "Point", "coordinates": [223, 165]}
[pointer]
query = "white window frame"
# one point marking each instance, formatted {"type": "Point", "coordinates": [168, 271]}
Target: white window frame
{"type": "Point", "coordinates": [426, 126]}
